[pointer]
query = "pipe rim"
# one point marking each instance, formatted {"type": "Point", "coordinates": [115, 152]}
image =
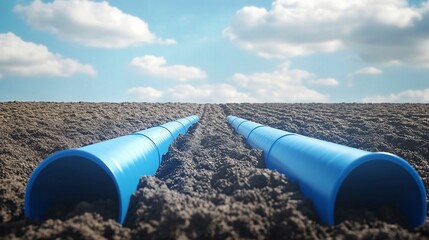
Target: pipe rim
{"type": "Point", "coordinates": [381, 156]}
{"type": "Point", "coordinates": [63, 154]}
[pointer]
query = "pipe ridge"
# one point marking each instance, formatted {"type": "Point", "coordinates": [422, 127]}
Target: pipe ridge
{"type": "Point", "coordinates": [272, 145]}
{"type": "Point", "coordinates": [248, 135]}
{"type": "Point", "coordinates": [188, 120]}
{"type": "Point", "coordinates": [234, 120]}
{"type": "Point", "coordinates": [180, 124]}
{"type": "Point", "coordinates": [156, 146]}
{"type": "Point", "coordinates": [229, 118]}
{"type": "Point", "coordinates": [172, 136]}
{"type": "Point", "coordinates": [240, 124]}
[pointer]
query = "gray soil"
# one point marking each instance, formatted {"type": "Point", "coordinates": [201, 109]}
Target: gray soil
{"type": "Point", "coordinates": [211, 184]}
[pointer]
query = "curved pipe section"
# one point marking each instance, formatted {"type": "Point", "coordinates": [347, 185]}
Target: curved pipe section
{"type": "Point", "coordinates": [106, 170]}
{"type": "Point", "coordinates": [335, 176]}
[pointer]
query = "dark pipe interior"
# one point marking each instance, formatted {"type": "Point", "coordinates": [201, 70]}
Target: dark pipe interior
{"type": "Point", "coordinates": [68, 181]}
{"type": "Point", "coordinates": [378, 185]}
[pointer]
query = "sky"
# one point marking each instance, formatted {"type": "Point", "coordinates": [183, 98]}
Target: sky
{"type": "Point", "coordinates": [215, 51]}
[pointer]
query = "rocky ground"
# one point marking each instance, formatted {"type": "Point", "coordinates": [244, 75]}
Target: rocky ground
{"type": "Point", "coordinates": [211, 184]}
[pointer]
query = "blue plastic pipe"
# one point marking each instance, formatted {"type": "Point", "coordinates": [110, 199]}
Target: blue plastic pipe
{"type": "Point", "coordinates": [106, 170]}
{"type": "Point", "coordinates": [333, 175]}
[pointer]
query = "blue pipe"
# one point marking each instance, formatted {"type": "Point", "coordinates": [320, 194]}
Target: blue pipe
{"type": "Point", "coordinates": [333, 175]}
{"type": "Point", "coordinates": [106, 170]}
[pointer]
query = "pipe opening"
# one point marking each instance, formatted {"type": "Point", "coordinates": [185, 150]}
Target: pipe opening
{"type": "Point", "coordinates": [382, 188]}
{"type": "Point", "coordinates": [68, 181]}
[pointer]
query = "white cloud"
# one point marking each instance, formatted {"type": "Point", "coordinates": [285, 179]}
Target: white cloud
{"type": "Point", "coordinates": [168, 41]}
{"type": "Point", "coordinates": [156, 66]}
{"type": "Point", "coordinates": [379, 30]}
{"type": "Point", "coordinates": [281, 85]}
{"type": "Point", "coordinates": [147, 94]}
{"type": "Point", "coordinates": [20, 58]}
{"type": "Point", "coordinates": [410, 96]}
{"type": "Point", "coordinates": [362, 71]}
{"type": "Point", "coordinates": [325, 82]}
{"type": "Point", "coordinates": [207, 93]}
{"type": "Point", "coordinates": [95, 24]}
{"type": "Point", "coordinates": [367, 71]}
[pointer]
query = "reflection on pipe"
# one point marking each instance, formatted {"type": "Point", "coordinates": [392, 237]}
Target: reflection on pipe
{"type": "Point", "coordinates": [333, 175]}
{"type": "Point", "coordinates": [106, 170]}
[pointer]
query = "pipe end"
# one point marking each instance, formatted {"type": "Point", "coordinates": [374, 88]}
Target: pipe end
{"type": "Point", "coordinates": [66, 178]}
{"type": "Point", "coordinates": [382, 181]}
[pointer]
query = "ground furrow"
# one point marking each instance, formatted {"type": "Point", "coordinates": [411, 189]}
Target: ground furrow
{"type": "Point", "coordinates": [213, 185]}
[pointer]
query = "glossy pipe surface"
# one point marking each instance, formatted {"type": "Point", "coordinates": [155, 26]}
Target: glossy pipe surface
{"type": "Point", "coordinates": [106, 170]}
{"type": "Point", "coordinates": [334, 175]}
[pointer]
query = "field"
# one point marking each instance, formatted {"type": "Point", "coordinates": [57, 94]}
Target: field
{"type": "Point", "coordinates": [211, 184]}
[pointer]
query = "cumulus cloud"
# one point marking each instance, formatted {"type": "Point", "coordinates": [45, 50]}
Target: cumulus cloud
{"type": "Point", "coordinates": [282, 85]}
{"type": "Point", "coordinates": [207, 93]}
{"type": "Point", "coordinates": [156, 66]}
{"type": "Point", "coordinates": [325, 82]}
{"type": "Point", "coordinates": [360, 72]}
{"type": "Point", "coordinates": [408, 96]}
{"type": "Point", "coordinates": [367, 71]}
{"type": "Point", "coordinates": [95, 24]}
{"type": "Point", "coordinates": [146, 94]}
{"type": "Point", "coordinates": [378, 30]}
{"type": "Point", "coordinates": [20, 58]}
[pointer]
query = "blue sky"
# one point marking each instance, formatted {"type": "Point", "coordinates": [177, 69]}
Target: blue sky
{"type": "Point", "coordinates": [215, 51]}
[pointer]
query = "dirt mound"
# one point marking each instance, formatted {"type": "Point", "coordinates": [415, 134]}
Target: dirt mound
{"type": "Point", "coordinates": [211, 184]}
